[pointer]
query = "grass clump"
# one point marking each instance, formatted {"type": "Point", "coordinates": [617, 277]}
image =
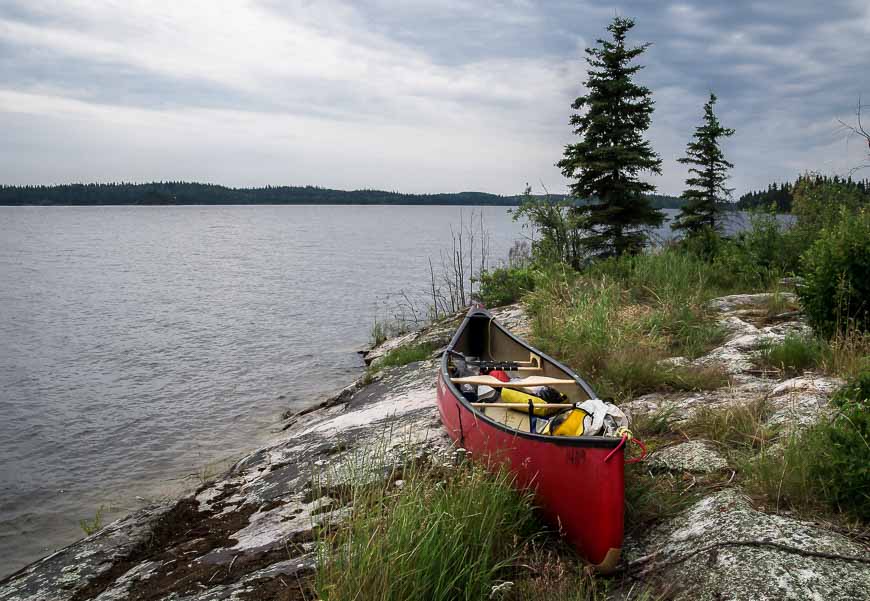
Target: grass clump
{"type": "Point", "coordinates": [652, 498]}
{"type": "Point", "coordinates": [737, 427]}
{"type": "Point", "coordinates": [778, 303]}
{"type": "Point", "coordinates": [406, 354]}
{"type": "Point", "coordinates": [397, 357]}
{"type": "Point", "coordinates": [653, 423]}
{"type": "Point", "coordinates": [441, 536]}
{"type": "Point", "coordinates": [827, 464]}
{"type": "Point", "coordinates": [849, 354]}
{"type": "Point", "coordinates": [616, 322]}
{"type": "Point", "coordinates": [383, 330]}
{"type": "Point", "coordinates": [89, 526]}
{"type": "Point", "coordinates": [845, 355]}
{"type": "Point", "coordinates": [794, 354]}
{"type": "Point", "coordinates": [378, 334]}
{"type": "Point", "coordinates": [556, 574]}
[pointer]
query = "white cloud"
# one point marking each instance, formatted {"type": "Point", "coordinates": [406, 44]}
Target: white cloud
{"type": "Point", "coordinates": [389, 101]}
{"type": "Point", "coordinates": [419, 96]}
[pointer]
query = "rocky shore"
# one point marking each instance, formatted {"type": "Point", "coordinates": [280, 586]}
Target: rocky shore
{"type": "Point", "coordinates": [251, 533]}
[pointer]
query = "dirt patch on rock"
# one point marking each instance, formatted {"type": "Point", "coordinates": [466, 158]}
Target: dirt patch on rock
{"type": "Point", "coordinates": [183, 533]}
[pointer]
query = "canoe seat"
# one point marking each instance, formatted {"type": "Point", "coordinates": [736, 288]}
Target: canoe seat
{"type": "Point", "coordinates": [509, 417]}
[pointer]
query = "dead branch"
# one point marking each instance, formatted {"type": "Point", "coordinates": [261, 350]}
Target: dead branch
{"type": "Point", "coordinates": [857, 130]}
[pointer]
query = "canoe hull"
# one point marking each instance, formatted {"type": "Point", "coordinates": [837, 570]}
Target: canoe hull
{"type": "Point", "coordinates": [580, 491]}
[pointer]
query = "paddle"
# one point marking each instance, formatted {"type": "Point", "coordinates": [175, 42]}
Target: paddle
{"type": "Point", "coordinates": [521, 407]}
{"type": "Point", "coordinates": [530, 382]}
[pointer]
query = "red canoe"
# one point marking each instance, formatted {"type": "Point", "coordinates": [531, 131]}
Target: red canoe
{"type": "Point", "coordinates": [578, 488]}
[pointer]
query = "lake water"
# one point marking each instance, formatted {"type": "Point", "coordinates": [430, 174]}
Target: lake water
{"type": "Point", "coordinates": [142, 346]}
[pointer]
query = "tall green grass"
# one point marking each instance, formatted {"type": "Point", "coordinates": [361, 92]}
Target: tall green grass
{"type": "Point", "coordinates": [846, 354]}
{"type": "Point", "coordinates": [616, 322]}
{"type": "Point", "coordinates": [441, 536]}
{"type": "Point", "coordinates": [737, 427]}
{"type": "Point", "coordinates": [794, 354]}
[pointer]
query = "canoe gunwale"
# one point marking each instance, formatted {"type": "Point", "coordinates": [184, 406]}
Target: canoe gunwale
{"type": "Point", "coordinates": [565, 441]}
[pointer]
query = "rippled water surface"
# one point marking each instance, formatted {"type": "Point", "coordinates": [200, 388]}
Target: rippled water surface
{"type": "Point", "coordinates": [140, 345]}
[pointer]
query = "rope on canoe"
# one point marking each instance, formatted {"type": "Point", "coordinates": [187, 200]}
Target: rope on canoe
{"type": "Point", "coordinates": [626, 436]}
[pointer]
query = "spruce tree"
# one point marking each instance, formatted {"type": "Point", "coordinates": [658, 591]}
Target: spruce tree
{"type": "Point", "coordinates": [707, 176]}
{"type": "Point", "coordinates": [606, 164]}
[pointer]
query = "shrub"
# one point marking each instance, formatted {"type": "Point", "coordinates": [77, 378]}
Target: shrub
{"type": "Point", "coordinates": [757, 256]}
{"type": "Point", "coordinates": [705, 243]}
{"type": "Point", "coordinates": [820, 203]}
{"type": "Point", "coordinates": [558, 239]}
{"type": "Point", "coordinates": [856, 390]}
{"type": "Point", "coordinates": [794, 354]}
{"type": "Point", "coordinates": [836, 291]}
{"type": "Point", "coordinates": [505, 285]}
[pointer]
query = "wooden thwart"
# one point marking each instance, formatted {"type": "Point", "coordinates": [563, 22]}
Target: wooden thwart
{"type": "Point", "coordinates": [530, 382]}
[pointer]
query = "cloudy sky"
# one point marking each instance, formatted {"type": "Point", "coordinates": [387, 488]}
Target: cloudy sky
{"type": "Point", "coordinates": [410, 95]}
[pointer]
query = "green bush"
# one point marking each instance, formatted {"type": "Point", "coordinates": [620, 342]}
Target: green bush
{"type": "Point", "coordinates": [505, 285]}
{"type": "Point", "coordinates": [557, 237]}
{"type": "Point", "coordinates": [820, 204]}
{"type": "Point", "coordinates": [705, 243]}
{"type": "Point", "coordinates": [836, 292]}
{"type": "Point", "coordinates": [856, 390]}
{"type": "Point", "coordinates": [843, 466]}
{"type": "Point", "coordinates": [756, 257]}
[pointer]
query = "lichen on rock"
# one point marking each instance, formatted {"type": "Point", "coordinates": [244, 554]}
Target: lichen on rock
{"type": "Point", "coordinates": [696, 456]}
{"type": "Point", "coordinates": [723, 548]}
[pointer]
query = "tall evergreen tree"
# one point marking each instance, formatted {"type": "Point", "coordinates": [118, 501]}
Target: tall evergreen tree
{"type": "Point", "coordinates": [606, 164]}
{"type": "Point", "coordinates": [708, 173]}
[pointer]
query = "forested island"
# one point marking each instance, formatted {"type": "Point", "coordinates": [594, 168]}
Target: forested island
{"type": "Point", "coordinates": [777, 195]}
{"type": "Point", "coordinates": [190, 193]}
{"type": "Point", "coordinates": [780, 195]}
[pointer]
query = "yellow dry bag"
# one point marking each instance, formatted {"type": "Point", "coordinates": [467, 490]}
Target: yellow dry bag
{"type": "Point", "coordinates": [510, 395]}
{"type": "Point", "coordinates": [569, 423]}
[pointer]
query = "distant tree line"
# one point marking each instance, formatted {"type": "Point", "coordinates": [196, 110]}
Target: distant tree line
{"type": "Point", "coordinates": [182, 193]}
{"type": "Point", "coordinates": [781, 195]}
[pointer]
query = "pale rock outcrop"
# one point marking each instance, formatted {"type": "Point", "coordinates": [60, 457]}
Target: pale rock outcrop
{"type": "Point", "coordinates": [724, 549]}
{"type": "Point", "coordinates": [249, 534]}
{"type": "Point", "coordinates": [697, 456]}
